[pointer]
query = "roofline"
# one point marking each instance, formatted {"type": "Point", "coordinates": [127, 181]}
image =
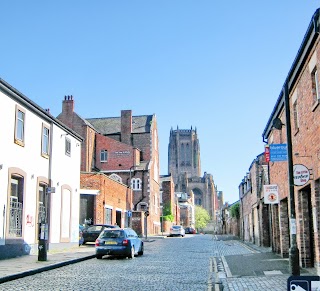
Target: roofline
{"type": "Point", "coordinates": [14, 93]}
{"type": "Point", "coordinates": [308, 41]}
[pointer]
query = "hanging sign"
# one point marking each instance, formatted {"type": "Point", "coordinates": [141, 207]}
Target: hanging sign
{"type": "Point", "coordinates": [278, 152]}
{"type": "Point", "coordinates": [271, 195]}
{"type": "Point", "coordinates": [301, 175]}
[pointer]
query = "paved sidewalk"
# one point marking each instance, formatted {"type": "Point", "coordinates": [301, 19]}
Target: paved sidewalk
{"type": "Point", "coordinates": [19, 267]}
{"type": "Point", "coordinates": [11, 269]}
{"type": "Point", "coordinates": [259, 269]}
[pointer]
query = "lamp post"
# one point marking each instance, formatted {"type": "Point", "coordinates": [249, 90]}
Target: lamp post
{"type": "Point", "coordinates": [293, 251]}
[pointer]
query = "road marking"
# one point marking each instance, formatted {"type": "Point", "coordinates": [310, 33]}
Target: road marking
{"type": "Point", "coordinates": [271, 273]}
{"type": "Point", "coordinates": [226, 267]}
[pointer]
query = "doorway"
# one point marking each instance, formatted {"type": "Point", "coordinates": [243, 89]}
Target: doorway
{"type": "Point", "coordinates": [307, 251]}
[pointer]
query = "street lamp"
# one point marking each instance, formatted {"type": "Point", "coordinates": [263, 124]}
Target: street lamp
{"type": "Point", "coordinates": [294, 265]}
{"type": "Point", "coordinates": [293, 251]}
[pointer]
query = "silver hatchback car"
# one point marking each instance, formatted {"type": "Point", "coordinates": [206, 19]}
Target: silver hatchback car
{"type": "Point", "coordinates": [177, 230]}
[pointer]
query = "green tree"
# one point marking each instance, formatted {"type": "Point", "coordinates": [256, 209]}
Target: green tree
{"type": "Point", "coordinates": [235, 210]}
{"type": "Point", "coordinates": [202, 217]}
{"type": "Point", "coordinates": [167, 213]}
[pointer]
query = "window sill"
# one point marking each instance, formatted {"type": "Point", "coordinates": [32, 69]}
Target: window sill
{"type": "Point", "coordinates": [46, 156]}
{"type": "Point", "coordinates": [19, 142]}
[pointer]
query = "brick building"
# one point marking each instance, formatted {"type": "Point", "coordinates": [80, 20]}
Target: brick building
{"type": "Point", "coordinates": [301, 88]}
{"type": "Point", "coordinates": [169, 203]}
{"type": "Point", "coordinates": [126, 149]}
{"type": "Point", "coordinates": [255, 226]}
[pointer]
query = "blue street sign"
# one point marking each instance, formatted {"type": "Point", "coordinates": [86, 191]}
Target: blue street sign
{"type": "Point", "coordinates": [129, 213]}
{"type": "Point", "coordinates": [278, 152]}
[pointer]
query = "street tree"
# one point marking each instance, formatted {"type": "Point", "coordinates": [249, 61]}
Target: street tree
{"type": "Point", "coordinates": [202, 217]}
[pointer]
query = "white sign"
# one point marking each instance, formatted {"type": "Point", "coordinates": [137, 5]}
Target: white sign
{"type": "Point", "coordinates": [293, 226]}
{"type": "Point", "coordinates": [271, 195]}
{"type": "Point", "coordinates": [301, 175]}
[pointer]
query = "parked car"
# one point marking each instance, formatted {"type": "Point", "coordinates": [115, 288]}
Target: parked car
{"type": "Point", "coordinates": [190, 230]}
{"type": "Point", "coordinates": [119, 242]}
{"type": "Point", "coordinates": [177, 230]}
{"type": "Point", "coordinates": [81, 228]}
{"type": "Point", "coordinates": [91, 233]}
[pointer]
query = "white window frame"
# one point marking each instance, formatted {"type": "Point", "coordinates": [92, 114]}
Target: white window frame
{"type": "Point", "coordinates": [136, 184]}
{"type": "Point", "coordinates": [19, 131]}
{"type": "Point", "coordinates": [315, 85]}
{"type": "Point", "coordinates": [68, 147]}
{"type": "Point", "coordinates": [45, 144]}
{"type": "Point", "coordinates": [103, 156]}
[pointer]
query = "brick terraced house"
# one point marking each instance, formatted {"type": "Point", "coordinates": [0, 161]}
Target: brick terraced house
{"type": "Point", "coordinates": [301, 90]}
{"type": "Point", "coordinates": [126, 150]}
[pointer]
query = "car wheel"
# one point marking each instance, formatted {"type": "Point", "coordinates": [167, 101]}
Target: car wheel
{"type": "Point", "coordinates": [140, 253]}
{"type": "Point", "coordinates": [131, 256]}
{"type": "Point", "coordinates": [99, 257]}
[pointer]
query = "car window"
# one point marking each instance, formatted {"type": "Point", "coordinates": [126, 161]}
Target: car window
{"type": "Point", "coordinates": [112, 234]}
{"type": "Point", "coordinates": [95, 228]}
{"type": "Point", "coordinates": [176, 227]}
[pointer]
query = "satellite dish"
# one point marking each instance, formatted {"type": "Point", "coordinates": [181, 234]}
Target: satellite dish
{"type": "Point", "coordinates": [277, 123]}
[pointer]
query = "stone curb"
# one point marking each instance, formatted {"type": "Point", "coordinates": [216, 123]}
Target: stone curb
{"type": "Point", "coordinates": [43, 269]}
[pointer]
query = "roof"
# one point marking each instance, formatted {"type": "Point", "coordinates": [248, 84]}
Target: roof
{"type": "Point", "coordinates": [308, 41]}
{"type": "Point", "coordinates": [112, 125]}
{"type": "Point", "coordinates": [32, 106]}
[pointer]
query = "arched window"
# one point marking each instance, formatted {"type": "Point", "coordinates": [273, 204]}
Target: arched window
{"type": "Point", "coordinates": [136, 184]}
{"type": "Point", "coordinates": [116, 178]}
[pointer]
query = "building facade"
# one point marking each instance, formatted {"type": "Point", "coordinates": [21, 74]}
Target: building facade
{"type": "Point", "coordinates": [39, 176]}
{"type": "Point", "coordinates": [297, 107]}
{"type": "Point", "coordinates": [255, 225]}
{"type": "Point", "coordinates": [125, 147]}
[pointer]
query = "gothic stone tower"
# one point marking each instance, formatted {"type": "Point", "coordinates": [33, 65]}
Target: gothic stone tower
{"type": "Point", "coordinates": [184, 153]}
{"type": "Point", "coordinates": [184, 167]}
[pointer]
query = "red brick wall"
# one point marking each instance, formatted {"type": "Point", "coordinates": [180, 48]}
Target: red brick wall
{"type": "Point", "coordinates": [112, 193]}
{"type": "Point", "coordinates": [120, 155]}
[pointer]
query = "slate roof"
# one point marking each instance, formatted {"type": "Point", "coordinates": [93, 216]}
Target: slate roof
{"type": "Point", "coordinates": [112, 125]}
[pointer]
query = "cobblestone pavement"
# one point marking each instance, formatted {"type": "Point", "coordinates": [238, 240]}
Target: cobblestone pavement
{"type": "Point", "coordinates": [195, 262]}
{"type": "Point", "coordinates": [167, 264]}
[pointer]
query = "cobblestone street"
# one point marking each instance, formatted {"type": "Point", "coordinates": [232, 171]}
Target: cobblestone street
{"type": "Point", "coordinates": [195, 262]}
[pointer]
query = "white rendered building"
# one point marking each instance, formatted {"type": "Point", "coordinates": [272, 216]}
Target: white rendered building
{"type": "Point", "coordinates": [39, 176]}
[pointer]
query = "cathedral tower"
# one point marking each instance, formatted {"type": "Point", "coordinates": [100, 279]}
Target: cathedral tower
{"type": "Point", "coordinates": [184, 153]}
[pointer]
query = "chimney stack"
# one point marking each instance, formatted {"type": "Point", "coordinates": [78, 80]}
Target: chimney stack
{"type": "Point", "coordinates": [68, 105]}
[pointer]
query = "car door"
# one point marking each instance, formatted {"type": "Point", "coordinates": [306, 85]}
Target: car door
{"type": "Point", "coordinates": [136, 240]}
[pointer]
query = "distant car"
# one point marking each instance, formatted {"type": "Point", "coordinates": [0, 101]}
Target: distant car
{"type": "Point", "coordinates": [177, 230]}
{"type": "Point", "coordinates": [91, 233]}
{"type": "Point", "coordinates": [119, 242]}
{"type": "Point", "coordinates": [190, 230]}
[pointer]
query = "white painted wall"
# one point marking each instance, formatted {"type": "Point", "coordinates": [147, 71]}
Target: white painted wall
{"type": "Point", "coordinates": [65, 170]}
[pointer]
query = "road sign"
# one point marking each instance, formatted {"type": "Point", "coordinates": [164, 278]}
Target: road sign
{"type": "Point", "coordinates": [271, 195]}
{"type": "Point", "coordinates": [129, 213]}
{"type": "Point", "coordinates": [278, 152]}
{"type": "Point", "coordinates": [51, 190]}
{"type": "Point", "coordinates": [301, 175]}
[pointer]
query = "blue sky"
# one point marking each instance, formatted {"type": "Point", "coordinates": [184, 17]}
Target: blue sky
{"type": "Point", "coordinates": [217, 66]}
